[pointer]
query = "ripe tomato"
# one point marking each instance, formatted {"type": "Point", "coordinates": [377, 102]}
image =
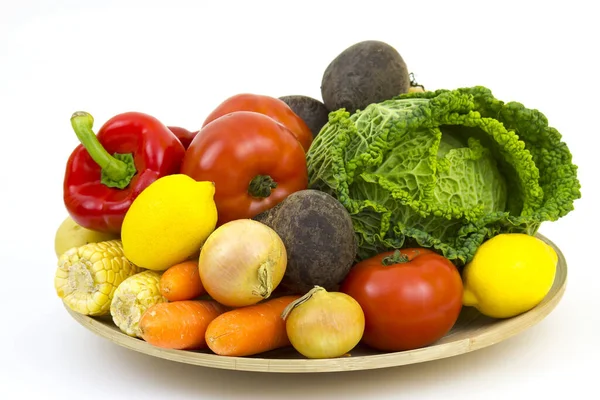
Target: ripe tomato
{"type": "Point", "coordinates": [254, 162]}
{"type": "Point", "coordinates": [184, 136]}
{"type": "Point", "coordinates": [410, 298]}
{"type": "Point", "coordinates": [270, 106]}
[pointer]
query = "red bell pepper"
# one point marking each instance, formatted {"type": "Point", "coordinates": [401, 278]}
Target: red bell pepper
{"type": "Point", "coordinates": [107, 171]}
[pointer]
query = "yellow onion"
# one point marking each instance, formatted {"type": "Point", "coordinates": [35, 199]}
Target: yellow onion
{"type": "Point", "coordinates": [242, 262]}
{"type": "Point", "coordinates": [324, 324]}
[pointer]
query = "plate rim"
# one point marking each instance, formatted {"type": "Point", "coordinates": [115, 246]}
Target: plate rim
{"type": "Point", "coordinates": [504, 330]}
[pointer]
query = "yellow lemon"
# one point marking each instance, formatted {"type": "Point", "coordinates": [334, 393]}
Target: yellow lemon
{"type": "Point", "coordinates": [168, 222]}
{"type": "Point", "coordinates": [509, 274]}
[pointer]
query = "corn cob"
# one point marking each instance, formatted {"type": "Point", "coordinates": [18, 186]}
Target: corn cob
{"type": "Point", "coordinates": [87, 276]}
{"type": "Point", "coordinates": [132, 298]}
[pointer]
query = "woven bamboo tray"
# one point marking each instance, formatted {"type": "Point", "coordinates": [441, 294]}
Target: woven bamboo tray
{"type": "Point", "coordinates": [471, 332]}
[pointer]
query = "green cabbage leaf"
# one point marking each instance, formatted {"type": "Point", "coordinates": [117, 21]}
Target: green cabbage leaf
{"type": "Point", "coordinates": [446, 169]}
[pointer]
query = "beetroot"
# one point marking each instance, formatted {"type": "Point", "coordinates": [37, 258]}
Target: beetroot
{"type": "Point", "coordinates": [319, 238]}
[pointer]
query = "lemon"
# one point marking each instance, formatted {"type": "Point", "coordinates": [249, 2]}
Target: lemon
{"type": "Point", "coordinates": [168, 222]}
{"type": "Point", "coordinates": [509, 275]}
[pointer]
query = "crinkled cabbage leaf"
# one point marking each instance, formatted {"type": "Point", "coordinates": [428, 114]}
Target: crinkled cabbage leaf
{"type": "Point", "coordinates": [446, 169]}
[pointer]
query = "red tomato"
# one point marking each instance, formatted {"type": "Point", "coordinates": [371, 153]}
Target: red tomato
{"type": "Point", "coordinates": [184, 136]}
{"type": "Point", "coordinates": [270, 106]}
{"type": "Point", "coordinates": [409, 304]}
{"type": "Point", "coordinates": [254, 162]}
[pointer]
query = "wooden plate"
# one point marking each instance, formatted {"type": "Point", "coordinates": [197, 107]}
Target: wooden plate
{"type": "Point", "coordinates": [471, 332]}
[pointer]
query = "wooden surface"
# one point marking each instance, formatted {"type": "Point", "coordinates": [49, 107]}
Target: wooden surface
{"type": "Point", "coordinates": [471, 332]}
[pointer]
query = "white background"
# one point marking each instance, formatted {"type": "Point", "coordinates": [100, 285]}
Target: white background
{"type": "Point", "coordinates": [180, 60]}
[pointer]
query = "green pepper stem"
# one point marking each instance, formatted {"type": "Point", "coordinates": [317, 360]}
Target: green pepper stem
{"type": "Point", "coordinates": [261, 186]}
{"type": "Point", "coordinates": [117, 170]}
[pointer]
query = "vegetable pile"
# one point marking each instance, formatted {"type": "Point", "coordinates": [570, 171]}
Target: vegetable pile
{"type": "Point", "coordinates": [371, 218]}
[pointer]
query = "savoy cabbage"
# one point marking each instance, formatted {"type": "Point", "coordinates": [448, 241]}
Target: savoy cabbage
{"type": "Point", "coordinates": [445, 169]}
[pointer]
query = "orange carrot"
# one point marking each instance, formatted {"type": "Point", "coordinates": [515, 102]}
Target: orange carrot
{"type": "Point", "coordinates": [180, 324]}
{"type": "Point", "coordinates": [250, 330]}
{"type": "Point", "coordinates": [182, 282]}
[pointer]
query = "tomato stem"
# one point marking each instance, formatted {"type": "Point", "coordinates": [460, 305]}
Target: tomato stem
{"type": "Point", "coordinates": [395, 258]}
{"type": "Point", "coordinates": [261, 186]}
